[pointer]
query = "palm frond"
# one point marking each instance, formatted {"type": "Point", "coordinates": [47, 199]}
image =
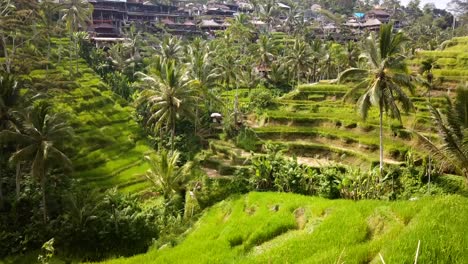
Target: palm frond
{"type": "Point", "coordinates": [352, 73]}
{"type": "Point", "coordinates": [363, 105]}
{"type": "Point", "coordinates": [362, 85]}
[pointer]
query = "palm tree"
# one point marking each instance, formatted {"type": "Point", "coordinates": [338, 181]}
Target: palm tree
{"type": "Point", "coordinates": [279, 75]}
{"type": "Point", "coordinates": [268, 13]}
{"type": "Point", "coordinates": [201, 68]}
{"type": "Point", "coordinates": [46, 15]}
{"type": "Point", "coordinates": [352, 54]}
{"type": "Point", "coordinates": [165, 173]}
{"type": "Point", "coordinates": [166, 95]}
{"type": "Point", "coordinates": [299, 58]}
{"type": "Point", "coordinates": [9, 102]}
{"type": "Point", "coordinates": [317, 50]}
{"type": "Point", "coordinates": [453, 130]}
{"type": "Point", "coordinates": [227, 71]}
{"type": "Point", "coordinates": [202, 74]}
{"type": "Point", "coordinates": [170, 49]}
{"type": "Point", "coordinates": [383, 79]}
{"type": "Point", "coordinates": [265, 50]}
{"type": "Point", "coordinates": [39, 141]}
{"type": "Point", "coordinates": [426, 68]}
{"type": "Point", "coordinates": [76, 16]}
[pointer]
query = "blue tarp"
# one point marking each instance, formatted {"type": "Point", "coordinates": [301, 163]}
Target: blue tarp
{"type": "Point", "coordinates": [359, 15]}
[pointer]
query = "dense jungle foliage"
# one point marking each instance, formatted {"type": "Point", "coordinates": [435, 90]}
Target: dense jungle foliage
{"type": "Point", "coordinates": [185, 146]}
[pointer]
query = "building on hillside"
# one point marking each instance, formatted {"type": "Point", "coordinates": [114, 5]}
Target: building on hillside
{"type": "Point", "coordinates": [379, 14]}
{"type": "Point", "coordinates": [110, 18]}
{"type": "Point", "coordinates": [359, 26]}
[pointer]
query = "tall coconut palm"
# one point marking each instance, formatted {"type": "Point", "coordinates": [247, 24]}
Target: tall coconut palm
{"type": "Point", "coordinates": [166, 95]}
{"type": "Point", "coordinates": [279, 75]}
{"type": "Point", "coordinates": [170, 49]}
{"type": "Point", "coordinates": [202, 74]}
{"type": "Point", "coordinates": [265, 51]}
{"type": "Point", "coordinates": [165, 173]}
{"type": "Point", "coordinates": [269, 12]}
{"type": "Point", "coordinates": [77, 14]}
{"type": "Point", "coordinates": [299, 58]}
{"type": "Point", "coordinates": [201, 68]}
{"type": "Point", "coordinates": [382, 80]}
{"type": "Point", "coordinates": [426, 68]}
{"type": "Point", "coordinates": [43, 132]}
{"type": "Point", "coordinates": [47, 10]}
{"type": "Point", "coordinates": [227, 70]}
{"type": "Point", "coordinates": [317, 53]}
{"type": "Point", "coordinates": [452, 125]}
{"type": "Point", "coordinates": [352, 54]}
{"type": "Point", "coordinates": [9, 102]}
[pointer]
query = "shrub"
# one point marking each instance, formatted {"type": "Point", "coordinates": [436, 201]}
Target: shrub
{"type": "Point", "coordinates": [96, 226]}
{"type": "Point", "coordinates": [261, 99]}
{"type": "Point", "coordinates": [247, 139]}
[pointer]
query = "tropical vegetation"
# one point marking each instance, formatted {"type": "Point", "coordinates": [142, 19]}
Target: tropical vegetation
{"type": "Point", "coordinates": [250, 144]}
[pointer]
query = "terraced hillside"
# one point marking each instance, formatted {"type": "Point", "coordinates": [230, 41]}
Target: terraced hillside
{"type": "Point", "coordinates": [313, 123]}
{"type": "Point", "coordinates": [108, 149]}
{"type": "Point", "coordinates": [451, 63]}
{"type": "Point", "coordinates": [290, 228]}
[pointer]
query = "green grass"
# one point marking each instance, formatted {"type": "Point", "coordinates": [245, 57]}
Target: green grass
{"type": "Point", "coordinates": [451, 62]}
{"type": "Point", "coordinates": [108, 143]}
{"type": "Point", "coordinates": [370, 139]}
{"type": "Point", "coordinates": [323, 87]}
{"type": "Point", "coordinates": [289, 228]}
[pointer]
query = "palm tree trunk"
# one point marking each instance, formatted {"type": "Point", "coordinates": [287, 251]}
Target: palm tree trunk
{"type": "Point", "coordinates": [18, 180]}
{"type": "Point", "coordinates": [44, 201]}
{"type": "Point", "coordinates": [430, 158]}
{"type": "Point", "coordinates": [71, 53]}
{"type": "Point", "coordinates": [1, 192]}
{"type": "Point", "coordinates": [76, 53]}
{"type": "Point", "coordinates": [1, 183]}
{"type": "Point", "coordinates": [172, 135]}
{"type": "Point", "coordinates": [298, 77]}
{"type": "Point", "coordinates": [48, 55]}
{"type": "Point", "coordinates": [6, 54]}
{"type": "Point", "coordinates": [235, 107]}
{"type": "Point", "coordinates": [196, 118]}
{"type": "Point", "coordinates": [381, 138]}
{"type": "Point", "coordinates": [314, 77]}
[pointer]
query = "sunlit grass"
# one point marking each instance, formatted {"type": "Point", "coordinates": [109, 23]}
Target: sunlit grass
{"type": "Point", "coordinates": [289, 228]}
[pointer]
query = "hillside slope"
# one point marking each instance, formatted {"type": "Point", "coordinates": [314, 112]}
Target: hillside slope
{"type": "Point", "coordinates": [290, 228]}
{"type": "Point", "coordinates": [314, 124]}
{"type": "Point", "coordinates": [108, 146]}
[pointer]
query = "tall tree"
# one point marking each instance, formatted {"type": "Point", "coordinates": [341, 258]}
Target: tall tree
{"type": "Point", "coordinates": [166, 174]}
{"type": "Point", "coordinates": [9, 104]}
{"type": "Point", "coordinates": [47, 11]}
{"type": "Point", "coordinates": [166, 95]}
{"type": "Point", "coordinates": [269, 12]}
{"type": "Point", "coordinates": [382, 80]}
{"type": "Point", "coordinates": [203, 76]}
{"type": "Point", "coordinates": [460, 9]}
{"type": "Point", "coordinates": [77, 15]}
{"type": "Point", "coordinates": [299, 58]}
{"type": "Point", "coordinates": [265, 51]}
{"type": "Point", "coordinates": [170, 49]}
{"type": "Point", "coordinates": [43, 133]}
{"type": "Point", "coordinates": [17, 29]}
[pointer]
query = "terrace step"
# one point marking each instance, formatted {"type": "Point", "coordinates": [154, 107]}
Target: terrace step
{"type": "Point", "coordinates": [328, 152]}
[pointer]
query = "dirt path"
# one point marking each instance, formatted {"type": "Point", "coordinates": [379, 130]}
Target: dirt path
{"type": "Point", "coordinates": [313, 162]}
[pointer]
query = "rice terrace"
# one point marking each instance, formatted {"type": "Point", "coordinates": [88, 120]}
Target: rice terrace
{"type": "Point", "coordinates": [237, 131]}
